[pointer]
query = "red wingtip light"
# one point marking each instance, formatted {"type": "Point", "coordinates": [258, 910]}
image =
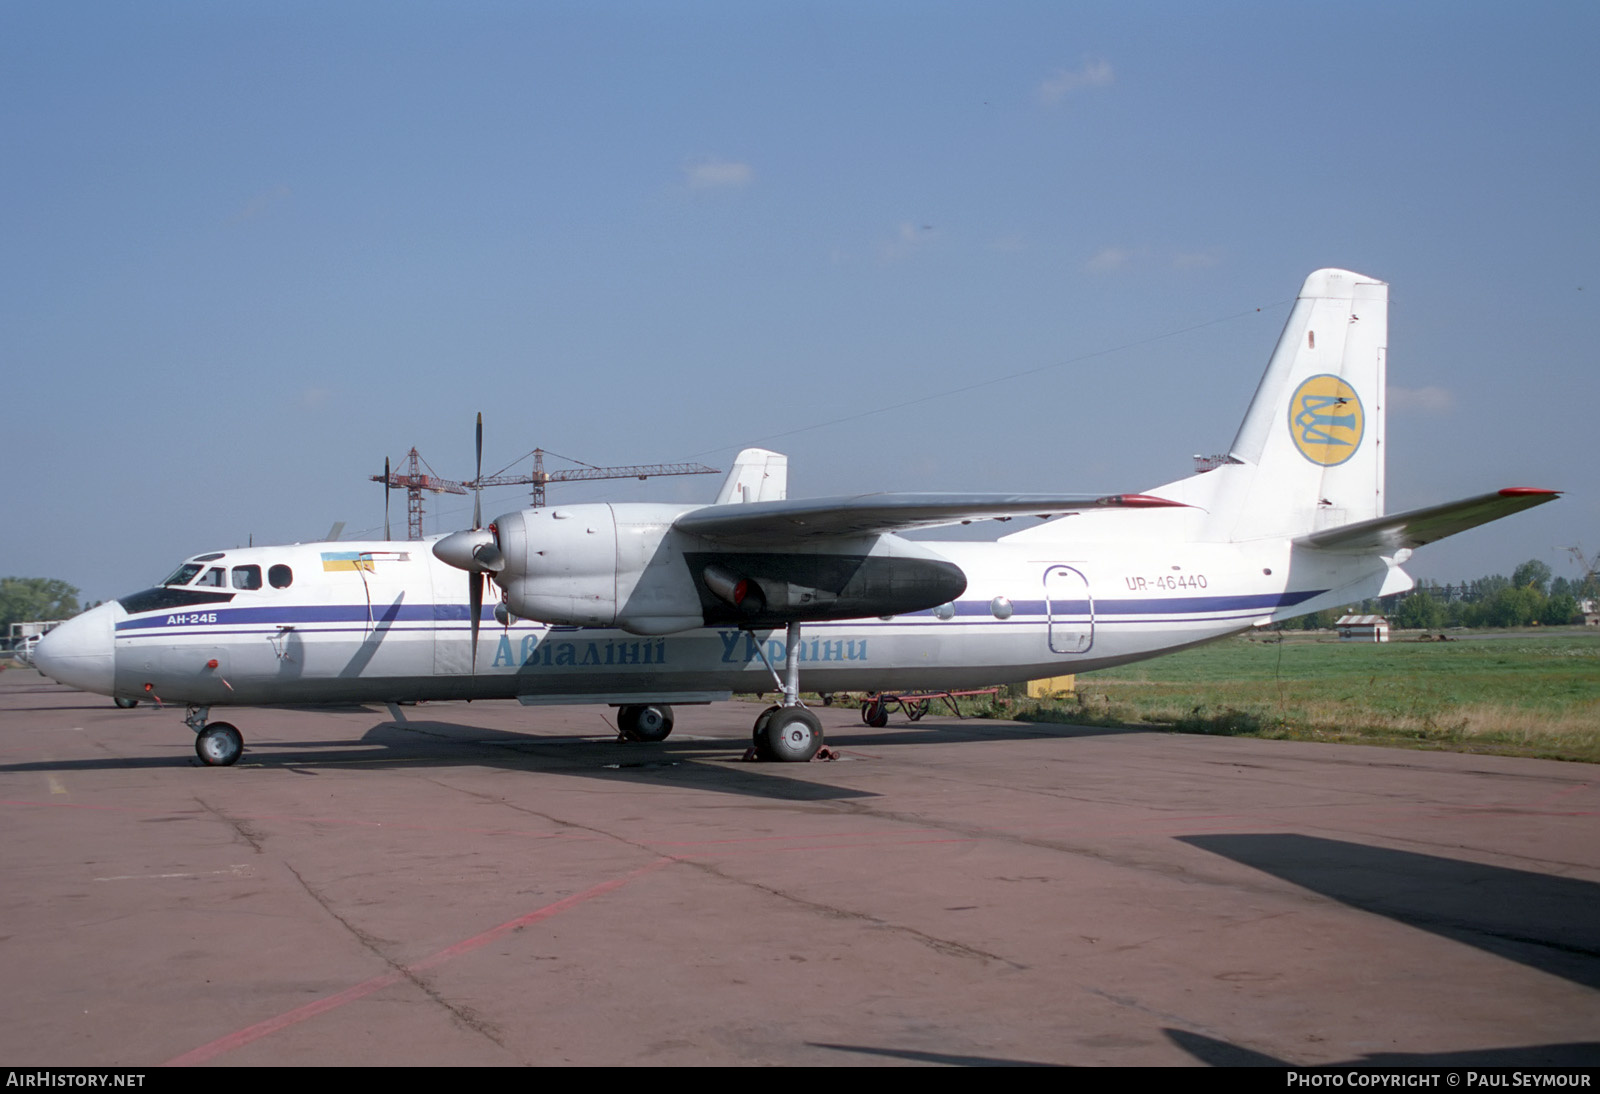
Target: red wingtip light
{"type": "Point", "coordinates": [1527, 492]}
{"type": "Point", "coordinates": [1142, 501]}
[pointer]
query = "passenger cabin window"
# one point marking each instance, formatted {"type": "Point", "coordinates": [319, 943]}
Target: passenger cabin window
{"type": "Point", "coordinates": [247, 577]}
{"type": "Point", "coordinates": [183, 574]}
{"type": "Point", "coordinates": [280, 576]}
{"type": "Point", "coordinates": [212, 578]}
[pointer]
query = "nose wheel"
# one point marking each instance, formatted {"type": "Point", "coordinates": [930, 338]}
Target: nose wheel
{"type": "Point", "coordinates": [219, 745]}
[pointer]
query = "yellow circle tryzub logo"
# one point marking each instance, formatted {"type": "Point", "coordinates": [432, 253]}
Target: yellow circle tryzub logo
{"type": "Point", "coordinates": [1326, 420]}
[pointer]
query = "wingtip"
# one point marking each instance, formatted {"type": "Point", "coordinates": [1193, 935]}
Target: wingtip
{"type": "Point", "coordinates": [1528, 492]}
{"type": "Point", "coordinates": [1141, 501]}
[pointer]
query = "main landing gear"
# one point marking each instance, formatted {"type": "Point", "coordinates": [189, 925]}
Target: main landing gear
{"type": "Point", "coordinates": [218, 744]}
{"type": "Point", "coordinates": [645, 723]}
{"type": "Point", "coordinates": [787, 732]}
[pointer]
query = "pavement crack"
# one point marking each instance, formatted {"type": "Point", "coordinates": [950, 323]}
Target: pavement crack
{"type": "Point", "coordinates": [940, 945]}
{"type": "Point", "coordinates": [944, 946]}
{"type": "Point", "coordinates": [240, 828]}
{"type": "Point", "coordinates": [464, 1016]}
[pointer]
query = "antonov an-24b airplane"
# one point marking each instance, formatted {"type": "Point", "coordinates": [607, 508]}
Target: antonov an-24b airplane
{"type": "Point", "coordinates": [642, 606]}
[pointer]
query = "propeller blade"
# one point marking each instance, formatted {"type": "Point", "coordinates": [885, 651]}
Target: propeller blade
{"type": "Point", "coordinates": [477, 479]}
{"type": "Point", "coordinates": [475, 595]}
{"type": "Point", "coordinates": [386, 498]}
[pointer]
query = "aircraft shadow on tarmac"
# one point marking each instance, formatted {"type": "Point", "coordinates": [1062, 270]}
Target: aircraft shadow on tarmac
{"type": "Point", "coordinates": [944, 1058]}
{"type": "Point", "coordinates": [1547, 923]}
{"type": "Point", "coordinates": [697, 764]}
{"type": "Point", "coordinates": [1217, 1053]}
{"type": "Point", "coordinates": [1224, 1054]}
{"type": "Point", "coordinates": [702, 765]}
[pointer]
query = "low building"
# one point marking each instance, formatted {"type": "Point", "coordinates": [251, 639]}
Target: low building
{"type": "Point", "coordinates": [1362, 628]}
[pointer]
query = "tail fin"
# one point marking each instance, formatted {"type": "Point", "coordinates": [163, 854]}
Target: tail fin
{"type": "Point", "coordinates": [757, 475]}
{"type": "Point", "coordinates": [1310, 454]}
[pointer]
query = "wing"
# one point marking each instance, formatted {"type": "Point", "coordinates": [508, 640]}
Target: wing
{"type": "Point", "coordinates": [1420, 526]}
{"type": "Point", "coordinates": [873, 514]}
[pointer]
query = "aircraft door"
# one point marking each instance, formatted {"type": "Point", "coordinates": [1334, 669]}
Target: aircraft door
{"type": "Point", "coordinates": [1070, 608]}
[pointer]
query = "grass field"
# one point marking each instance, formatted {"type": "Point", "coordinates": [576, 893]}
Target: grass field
{"type": "Point", "coordinates": [1524, 693]}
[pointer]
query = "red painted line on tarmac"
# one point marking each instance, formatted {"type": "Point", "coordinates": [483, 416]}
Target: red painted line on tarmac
{"type": "Point", "coordinates": [1568, 790]}
{"type": "Point", "coordinates": [239, 1038]}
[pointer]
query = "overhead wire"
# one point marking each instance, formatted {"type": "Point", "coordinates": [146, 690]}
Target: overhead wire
{"type": "Point", "coordinates": [991, 381]}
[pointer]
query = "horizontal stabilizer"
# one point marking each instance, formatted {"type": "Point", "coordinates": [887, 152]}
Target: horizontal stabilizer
{"type": "Point", "coordinates": [874, 514]}
{"type": "Point", "coordinates": [1421, 526]}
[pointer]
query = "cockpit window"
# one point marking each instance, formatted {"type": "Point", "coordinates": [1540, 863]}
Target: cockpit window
{"type": "Point", "coordinates": [183, 574]}
{"type": "Point", "coordinates": [247, 577]}
{"type": "Point", "coordinates": [212, 578]}
{"type": "Point", "coordinates": [280, 576]}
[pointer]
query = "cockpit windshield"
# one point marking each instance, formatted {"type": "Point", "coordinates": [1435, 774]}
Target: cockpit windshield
{"type": "Point", "coordinates": [183, 574]}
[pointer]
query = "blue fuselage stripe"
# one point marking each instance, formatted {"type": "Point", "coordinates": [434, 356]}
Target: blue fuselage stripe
{"type": "Point", "coordinates": [229, 620]}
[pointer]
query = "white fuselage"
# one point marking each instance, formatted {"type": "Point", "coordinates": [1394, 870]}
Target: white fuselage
{"type": "Point", "coordinates": [387, 621]}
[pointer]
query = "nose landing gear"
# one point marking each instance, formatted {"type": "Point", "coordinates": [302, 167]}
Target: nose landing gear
{"type": "Point", "coordinates": [218, 744]}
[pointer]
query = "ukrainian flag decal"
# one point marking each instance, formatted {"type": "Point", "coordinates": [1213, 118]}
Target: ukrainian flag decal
{"type": "Point", "coordinates": [1326, 420]}
{"type": "Point", "coordinates": [346, 560]}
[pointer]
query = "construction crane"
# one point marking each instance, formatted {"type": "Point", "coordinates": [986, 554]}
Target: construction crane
{"type": "Point", "coordinates": [539, 477]}
{"type": "Point", "coordinates": [1588, 566]}
{"type": "Point", "coordinates": [413, 481]}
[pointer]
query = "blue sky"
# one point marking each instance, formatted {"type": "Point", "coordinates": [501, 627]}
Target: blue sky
{"type": "Point", "coordinates": [249, 250]}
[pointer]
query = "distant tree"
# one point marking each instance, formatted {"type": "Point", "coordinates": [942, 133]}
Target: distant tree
{"type": "Point", "coordinates": [1320, 620]}
{"type": "Point", "coordinates": [1516, 606]}
{"type": "Point", "coordinates": [1420, 611]}
{"type": "Point", "coordinates": [1559, 609]}
{"type": "Point", "coordinates": [1485, 588]}
{"type": "Point", "coordinates": [1532, 574]}
{"type": "Point", "coordinates": [23, 599]}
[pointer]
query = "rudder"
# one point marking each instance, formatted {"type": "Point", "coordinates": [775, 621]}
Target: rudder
{"type": "Point", "coordinates": [1310, 453]}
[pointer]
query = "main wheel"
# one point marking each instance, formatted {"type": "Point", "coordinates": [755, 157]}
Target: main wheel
{"type": "Point", "coordinates": [219, 745]}
{"type": "Point", "coordinates": [125, 704]}
{"type": "Point", "coordinates": [758, 736]}
{"type": "Point", "coordinates": [793, 735]}
{"type": "Point", "coordinates": [645, 723]}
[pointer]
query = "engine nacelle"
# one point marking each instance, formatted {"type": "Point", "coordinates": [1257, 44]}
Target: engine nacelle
{"type": "Point", "coordinates": [601, 565]}
{"type": "Point", "coordinates": [561, 564]}
{"type": "Point", "coordinates": [598, 565]}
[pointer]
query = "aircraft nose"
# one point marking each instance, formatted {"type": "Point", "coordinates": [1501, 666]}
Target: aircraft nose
{"type": "Point", "coordinates": [81, 653]}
